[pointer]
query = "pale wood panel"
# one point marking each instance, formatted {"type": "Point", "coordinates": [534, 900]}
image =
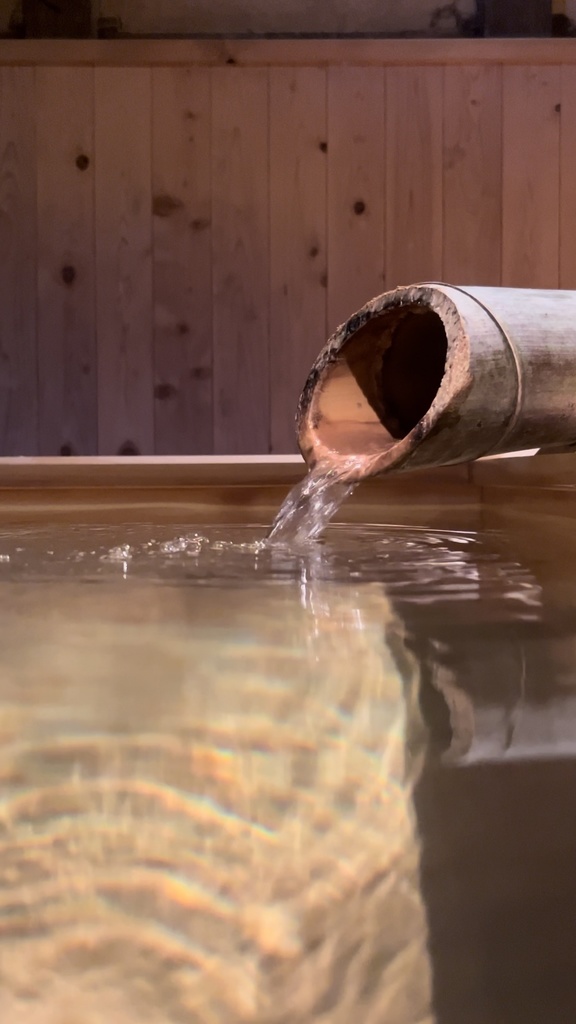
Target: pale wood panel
{"type": "Point", "coordinates": [356, 189]}
{"type": "Point", "coordinates": [18, 353]}
{"type": "Point", "coordinates": [298, 272]}
{"type": "Point", "coordinates": [181, 183]}
{"type": "Point", "coordinates": [414, 175]}
{"type": "Point", "coordinates": [568, 179]}
{"type": "Point", "coordinates": [67, 370]}
{"type": "Point", "coordinates": [531, 134]}
{"type": "Point", "coordinates": [240, 231]}
{"type": "Point", "coordinates": [473, 175]}
{"type": "Point", "coordinates": [124, 260]}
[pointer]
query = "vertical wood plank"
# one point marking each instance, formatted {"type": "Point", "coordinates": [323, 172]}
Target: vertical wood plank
{"type": "Point", "coordinates": [240, 231]}
{"type": "Point", "coordinates": [18, 353]}
{"type": "Point", "coordinates": [531, 167]}
{"type": "Point", "coordinates": [67, 373]}
{"type": "Point", "coordinates": [473, 175]}
{"type": "Point", "coordinates": [356, 189]}
{"type": "Point", "coordinates": [298, 268]}
{"type": "Point", "coordinates": [568, 179]}
{"type": "Point", "coordinates": [181, 182]}
{"type": "Point", "coordinates": [414, 175]}
{"type": "Point", "coordinates": [124, 260]}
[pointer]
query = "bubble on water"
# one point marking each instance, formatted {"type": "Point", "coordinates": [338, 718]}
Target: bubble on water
{"type": "Point", "coordinates": [254, 546]}
{"type": "Point", "coordinates": [4, 558]}
{"type": "Point", "coordinates": [121, 553]}
{"type": "Point", "coordinates": [182, 545]}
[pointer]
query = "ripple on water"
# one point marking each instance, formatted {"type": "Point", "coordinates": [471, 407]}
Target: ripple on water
{"type": "Point", "coordinates": [206, 766]}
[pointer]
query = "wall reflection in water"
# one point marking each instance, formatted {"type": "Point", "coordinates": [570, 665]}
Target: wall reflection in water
{"type": "Point", "coordinates": [495, 802]}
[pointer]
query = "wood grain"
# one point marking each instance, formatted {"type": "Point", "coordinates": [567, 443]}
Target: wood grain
{"type": "Point", "coordinates": [356, 189]}
{"type": "Point", "coordinates": [530, 226]}
{"type": "Point", "coordinates": [240, 226]}
{"type": "Point", "coordinates": [298, 271]}
{"type": "Point", "coordinates": [181, 184]}
{"type": "Point", "coordinates": [67, 370]}
{"type": "Point", "coordinates": [124, 261]}
{"type": "Point", "coordinates": [440, 203]}
{"type": "Point", "coordinates": [286, 52]}
{"type": "Point", "coordinates": [18, 352]}
{"type": "Point", "coordinates": [473, 175]}
{"type": "Point", "coordinates": [414, 175]}
{"type": "Point", "coordinates": [567, 269]}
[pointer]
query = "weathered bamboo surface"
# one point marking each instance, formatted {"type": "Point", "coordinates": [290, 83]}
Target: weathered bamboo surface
{"type": "Point", "coordinates": [183, 223]}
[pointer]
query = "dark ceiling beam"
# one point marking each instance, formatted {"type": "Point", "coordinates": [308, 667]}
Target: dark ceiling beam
{"type": "Point", "coordinates": [516, 17]}
{"type": "Point", "coordinates": [57, 19]}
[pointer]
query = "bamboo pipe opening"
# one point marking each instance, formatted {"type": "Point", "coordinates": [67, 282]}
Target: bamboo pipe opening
{"type": "Point", "coordinates": [434, 375]}
{"type": "Point", "coordinates": [383, 381]}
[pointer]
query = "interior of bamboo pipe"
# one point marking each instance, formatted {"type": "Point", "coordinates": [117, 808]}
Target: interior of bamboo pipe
{"type": "Point", "coordinates": [382, 382]}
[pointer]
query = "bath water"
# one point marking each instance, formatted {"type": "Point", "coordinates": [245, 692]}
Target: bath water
{"type": "Point", "coordinates": [290, 783]}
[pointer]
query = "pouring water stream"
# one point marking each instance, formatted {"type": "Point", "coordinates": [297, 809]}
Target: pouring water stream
{"type": "Point", "coordinates": [311, 504]}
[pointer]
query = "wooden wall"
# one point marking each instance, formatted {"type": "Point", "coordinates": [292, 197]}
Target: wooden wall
{"type": "Point", "coordinates": [179, 237]}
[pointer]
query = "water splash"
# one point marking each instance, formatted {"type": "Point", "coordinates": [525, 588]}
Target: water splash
{"type": "Point", "coordinates": [307, 510]}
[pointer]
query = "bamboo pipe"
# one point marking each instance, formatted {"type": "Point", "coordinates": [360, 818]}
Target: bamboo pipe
{"type": "Point", "coordinates": [434, 374]}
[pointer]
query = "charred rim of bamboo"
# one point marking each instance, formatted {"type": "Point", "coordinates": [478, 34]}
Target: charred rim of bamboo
{"type": "Point", "coordinates": [382, 382]}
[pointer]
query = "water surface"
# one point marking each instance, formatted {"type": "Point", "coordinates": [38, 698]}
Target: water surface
{"type": "Point", "coordinates": [243, 782]}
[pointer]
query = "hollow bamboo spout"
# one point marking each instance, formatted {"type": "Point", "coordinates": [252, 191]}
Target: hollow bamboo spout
{"type": "Point", "coordinates": [433, 374]}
